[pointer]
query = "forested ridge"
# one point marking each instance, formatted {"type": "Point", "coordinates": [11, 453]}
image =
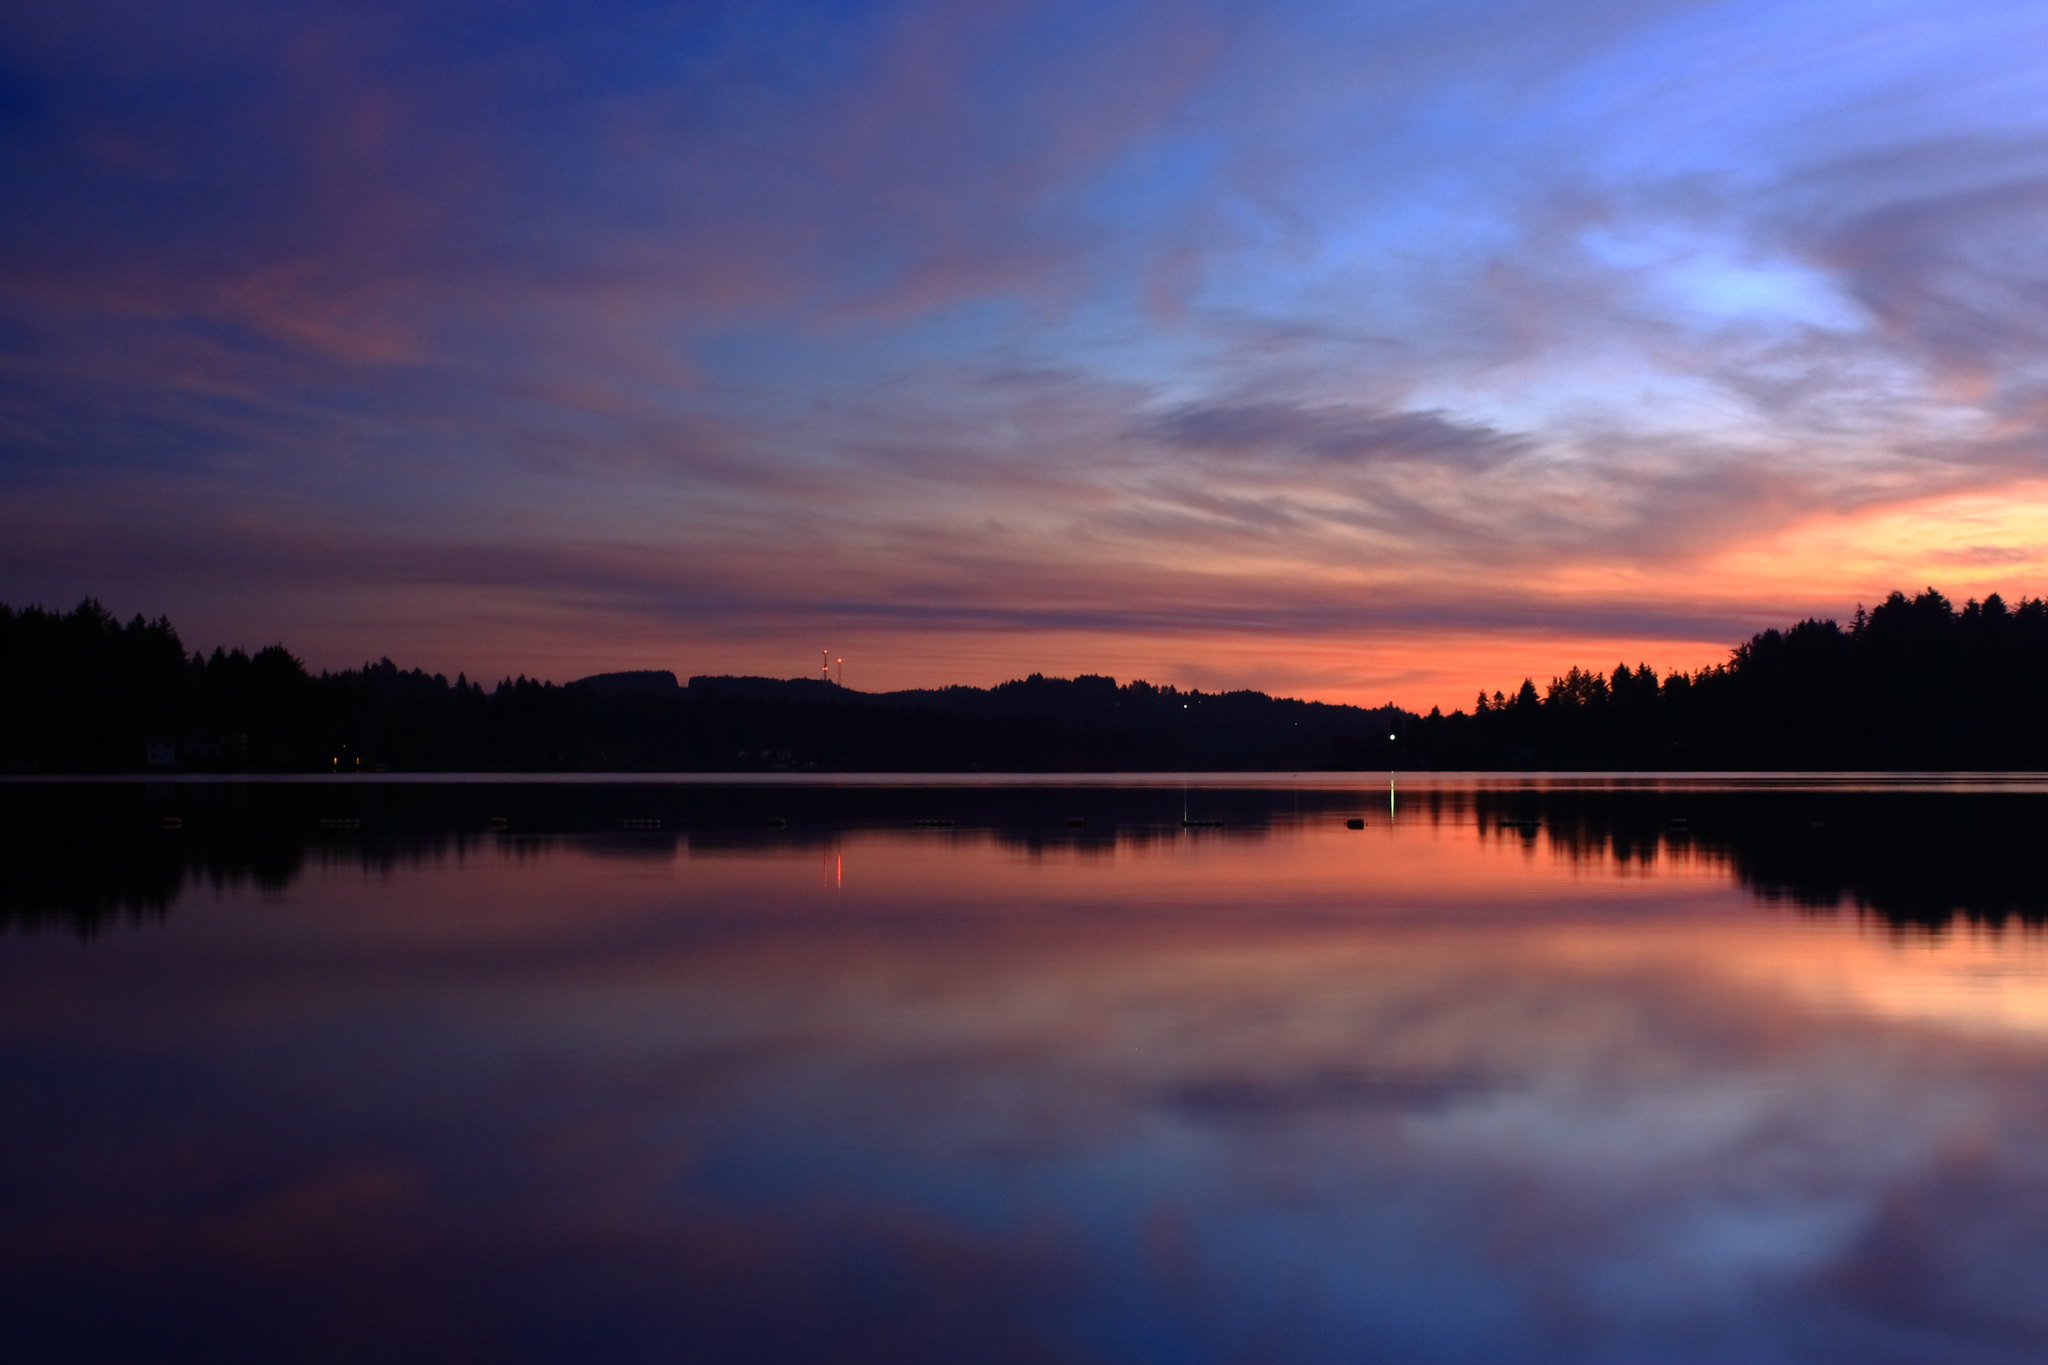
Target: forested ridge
{"type": "Point", "coordinates": [1914, 683]}
{"type": "Point", "coordinates": [85, 692]}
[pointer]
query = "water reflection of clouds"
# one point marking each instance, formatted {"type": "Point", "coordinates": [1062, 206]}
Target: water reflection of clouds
{"type": "Point", "coordinates": [1591, 1149]}
{"type": "Point", "coordinates": [1321, 1096]}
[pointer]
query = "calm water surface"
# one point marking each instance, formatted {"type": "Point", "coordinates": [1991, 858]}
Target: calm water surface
{"type": "Point", "coordinates": [1508, 1074]}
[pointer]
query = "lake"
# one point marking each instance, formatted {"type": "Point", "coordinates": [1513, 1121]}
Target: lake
{"type": "Point", "coordinates": [1149, 1069]}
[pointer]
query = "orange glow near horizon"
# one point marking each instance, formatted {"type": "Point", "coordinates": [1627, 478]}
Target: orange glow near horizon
{"type": "Point", "coordinates": [1427, 655]}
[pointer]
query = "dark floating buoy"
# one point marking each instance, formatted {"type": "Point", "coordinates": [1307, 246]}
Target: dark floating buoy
{"type": "Point", "coordinates": [500, 822]}
{"type": "Point", "coordinates": [1203, 824]}
{"type": "Point", "coordinates": [173, 822]}
{"type": "Point", "coordinates": [778, 822]}
{"type": "Point", "coordinates": [931, 824]}
{"type": "Point", "coordinates": [1075, 822]}
{"type": "Point", "coordinates": [640, 822]}
{"type": "Point", "coordinates": [1355, 822]}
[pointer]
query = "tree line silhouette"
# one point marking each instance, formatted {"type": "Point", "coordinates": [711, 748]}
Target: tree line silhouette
{"type": "Point", "coordinates": [84, 692]}
{"type": "Point", "coordinates": [1915, 683]}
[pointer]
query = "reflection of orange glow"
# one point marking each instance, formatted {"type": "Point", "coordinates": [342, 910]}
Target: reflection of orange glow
{"type": "Point", "coordinates": [1302, 902]}
{"type": "Point", "coordinates": [1560, 1069]}
{"type": "Point", "coordinates": [1967, 980]}
{"type": "Point", "coordinates": [1419, 892]}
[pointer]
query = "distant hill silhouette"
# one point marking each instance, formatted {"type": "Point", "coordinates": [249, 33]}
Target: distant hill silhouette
{"type": "Point", "coordinates": [84, 692]}
{"type": "Point", "coordinates": [1915, 683]}
{"type": "Point", "coordinates": [644, 682]}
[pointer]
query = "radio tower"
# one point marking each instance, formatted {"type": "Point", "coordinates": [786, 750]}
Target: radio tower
{"type": "Point", "coordinates": [825, 665]}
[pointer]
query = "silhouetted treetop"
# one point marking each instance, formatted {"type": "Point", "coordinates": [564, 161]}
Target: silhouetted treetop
{"type": "Point", "coordinates": [1914, 682]}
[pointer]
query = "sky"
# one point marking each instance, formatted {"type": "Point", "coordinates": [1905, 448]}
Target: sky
{"type": "Point", "coordinates": [1362, 352]}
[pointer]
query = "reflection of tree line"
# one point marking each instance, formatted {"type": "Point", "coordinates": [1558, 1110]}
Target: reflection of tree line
{"type": "Point", "coordinates": [85, 879]}
{"type": "Point", "coordinates": [85, 884]}
{"type": "Point", "coordinates": [1910, 858]}
{"type": "Point", "coordinates": [85, 856]}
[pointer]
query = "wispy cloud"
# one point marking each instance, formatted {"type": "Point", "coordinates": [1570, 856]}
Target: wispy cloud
{"type": "Point", "coordinates": [1054, 324]}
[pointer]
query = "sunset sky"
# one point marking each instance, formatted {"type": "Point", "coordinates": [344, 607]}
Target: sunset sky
{"type": "Point", "coordinates": [1357, 351]}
